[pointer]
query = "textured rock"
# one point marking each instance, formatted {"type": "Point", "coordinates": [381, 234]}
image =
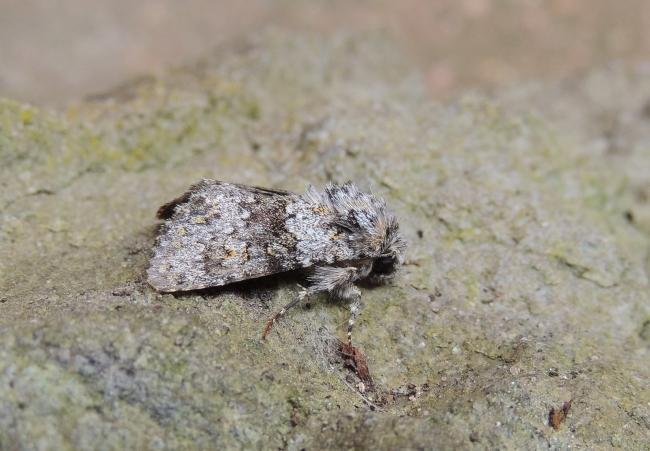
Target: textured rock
{"type": "Point", "coordinates": [527, 282]}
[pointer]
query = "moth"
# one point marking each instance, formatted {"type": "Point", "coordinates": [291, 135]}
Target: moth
{"type": "Point", "coordinates": [219, 233]}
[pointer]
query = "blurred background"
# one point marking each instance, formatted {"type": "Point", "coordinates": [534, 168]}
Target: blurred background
{"type": "Point", "coordinates": [54, 52]}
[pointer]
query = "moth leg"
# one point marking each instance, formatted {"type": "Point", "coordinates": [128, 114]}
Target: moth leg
{"type": "Point", "coordinates": [355, 308]}
{"type": "Point", "coordinates": [340, 283]}
{"type": "Point", "coordinates": [380, 279]}
{"type": "Point", "coordinates": [269, 324]}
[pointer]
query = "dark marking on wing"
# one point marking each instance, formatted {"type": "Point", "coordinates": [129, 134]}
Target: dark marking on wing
{"type": "Point", "coordinates": [260, 190]}
{"type": "Point", "coordinates": [166, 211]}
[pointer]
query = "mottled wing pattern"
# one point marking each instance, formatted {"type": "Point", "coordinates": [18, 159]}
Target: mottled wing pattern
{"type": "Point", "coordinates": [218, 233]}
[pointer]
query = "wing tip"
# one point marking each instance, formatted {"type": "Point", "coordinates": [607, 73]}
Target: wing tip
{"type": "Point", "coordinates": [157, 282]}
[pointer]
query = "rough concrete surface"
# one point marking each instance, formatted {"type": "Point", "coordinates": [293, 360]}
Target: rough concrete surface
{"type": "Point", "coordinates": [527, 283]}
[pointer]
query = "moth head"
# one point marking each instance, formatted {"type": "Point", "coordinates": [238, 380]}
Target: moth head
{"type": "Point", "coordinates": [392, 249]}
{"type": "Point", "coordinates": [373, 231]}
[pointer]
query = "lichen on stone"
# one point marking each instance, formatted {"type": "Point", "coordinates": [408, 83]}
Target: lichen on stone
{"type": "Point", "coordinates": [526, 283]}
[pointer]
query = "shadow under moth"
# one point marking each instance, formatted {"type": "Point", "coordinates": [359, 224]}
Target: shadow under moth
{"type": "Point", "coordinates": [219, 233]}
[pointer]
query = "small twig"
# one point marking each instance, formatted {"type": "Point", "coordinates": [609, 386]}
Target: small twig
{"type": "Point", "coordinates": [365, 399]}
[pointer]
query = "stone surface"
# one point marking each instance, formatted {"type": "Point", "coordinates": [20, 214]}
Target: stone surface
{"type": "Point", "coordinates": [526, 286]}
